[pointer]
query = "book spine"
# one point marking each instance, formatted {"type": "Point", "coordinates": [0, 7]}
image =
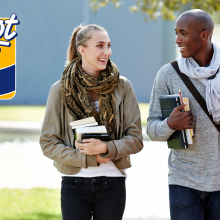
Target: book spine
{"type": "Point", "coordinates": [183, 131]}
{"type": "Point", "coordinates": [74, 137]}
{"type": "Point", "coordinates": [189, 132]}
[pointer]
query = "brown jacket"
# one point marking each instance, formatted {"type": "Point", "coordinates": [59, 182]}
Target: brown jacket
{"type": "Point", "coordinates": [57, 139]}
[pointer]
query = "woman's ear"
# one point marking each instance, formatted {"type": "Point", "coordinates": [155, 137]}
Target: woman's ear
{"type": "Point", "coordinates": [81, 50]}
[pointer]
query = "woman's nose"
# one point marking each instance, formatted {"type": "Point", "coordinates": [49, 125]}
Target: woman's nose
{"type": "Point", "coordinates": [108, 51]}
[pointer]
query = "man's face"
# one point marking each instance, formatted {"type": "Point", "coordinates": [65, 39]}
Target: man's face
{"type": "Point", "coordinates": [188, 36]}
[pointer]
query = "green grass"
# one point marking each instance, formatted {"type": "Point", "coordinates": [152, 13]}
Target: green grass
{"type": "Point", "coordinates": [36, 113]}
{"type": "Point", "coordinates": [22, 113]}
{"type": "Point", "coordinates": [32, 204]}
{"type": "Point", "coordinates": [144, 108]}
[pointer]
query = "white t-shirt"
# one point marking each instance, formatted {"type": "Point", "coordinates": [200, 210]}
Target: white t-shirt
{"type": "Point", "coordinates": [104, 169]}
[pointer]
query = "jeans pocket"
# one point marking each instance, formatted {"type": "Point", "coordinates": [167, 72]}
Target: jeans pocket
{"type": "Point", "coordinates": [67, 184]}
{"type": "Point", "coordinates": [117, 183]}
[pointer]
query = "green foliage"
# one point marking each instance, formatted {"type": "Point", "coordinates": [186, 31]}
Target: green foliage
{"type": "Point", "coordinates": [30, 204]}
{"type": "Point", "coordinates": [96, 4]}
{"type": "Point", "coordinates": [152, 9]}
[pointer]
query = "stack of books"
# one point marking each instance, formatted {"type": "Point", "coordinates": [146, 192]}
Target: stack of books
{"type": "Point", "coordinates": [179, 139]}
{"type": "Point", "coordinates": [88, 128]}
{"type": "Point", "coordinates": [189, 132]}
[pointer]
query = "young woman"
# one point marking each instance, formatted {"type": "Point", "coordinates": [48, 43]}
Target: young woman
{"type": "Point", "coordinates": [93, 174]}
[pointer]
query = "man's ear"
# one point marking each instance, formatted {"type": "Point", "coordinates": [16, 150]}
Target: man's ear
{"type": "Point", "coordinates": [205, 35]}
{"type": "Point", "coordinates": [81, 50]}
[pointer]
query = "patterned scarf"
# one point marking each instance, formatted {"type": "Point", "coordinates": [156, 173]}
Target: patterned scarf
{"type": "Point", "coordinates": [74, 85]}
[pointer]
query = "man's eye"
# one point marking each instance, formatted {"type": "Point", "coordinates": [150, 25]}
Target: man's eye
{"type": "Point", "coordinates": [183, 33]}
{"type": "Point", "coordinates": [109, 46]}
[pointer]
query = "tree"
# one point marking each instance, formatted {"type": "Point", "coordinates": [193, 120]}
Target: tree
{"type": "Point", "coordinates": [152, 9]}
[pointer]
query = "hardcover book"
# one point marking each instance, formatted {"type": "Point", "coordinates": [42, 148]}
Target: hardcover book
{"type": "Point", "coordinates": [179, 139]}
{"type": "Point", "coordinates": [88, 128]}
{"type": "Point", "coordinates": [85, 122]}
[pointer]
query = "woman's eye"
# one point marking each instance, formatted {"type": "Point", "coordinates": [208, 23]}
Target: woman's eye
{"type": "Point", "coordinates": [109, 46]}
{"type": "Point", "coordinates": [100, 46]}
{"type": "Point", "coordinates": [183, 33]}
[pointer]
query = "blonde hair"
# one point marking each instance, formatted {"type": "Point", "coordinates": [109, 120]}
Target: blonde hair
{"type": "Point", "coordinates": [79, 37]}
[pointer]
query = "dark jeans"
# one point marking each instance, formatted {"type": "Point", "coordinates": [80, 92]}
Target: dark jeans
{"type": "Point", "coordinates": [100, 197]}
{"type": "Point", "coordinates": [191, 204]}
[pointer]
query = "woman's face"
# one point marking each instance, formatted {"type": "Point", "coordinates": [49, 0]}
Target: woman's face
{"type": "Point", "coordinates": [97, 53]}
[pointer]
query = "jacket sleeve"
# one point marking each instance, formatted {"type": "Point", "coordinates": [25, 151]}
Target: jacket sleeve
{"type": "Point", "coordinates": [132, 141]}
{"type": "Point", "coordinates": [158, 129]}
{"type": "Point", "coordinates": [51, 141]}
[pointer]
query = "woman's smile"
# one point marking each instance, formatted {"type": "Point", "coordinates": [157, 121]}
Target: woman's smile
{"type": "Point", "coordinates": [103, 61]}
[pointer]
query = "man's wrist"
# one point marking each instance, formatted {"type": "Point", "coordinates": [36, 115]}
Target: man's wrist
{"type": "Point", "coordinates": [168, 123]}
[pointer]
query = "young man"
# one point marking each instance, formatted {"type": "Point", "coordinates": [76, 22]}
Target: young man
{"type": "Point", "coordinates": [194, 173]}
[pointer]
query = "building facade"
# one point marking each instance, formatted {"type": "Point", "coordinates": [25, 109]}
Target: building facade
{"type": "Point", "coordinates": [139, 48]}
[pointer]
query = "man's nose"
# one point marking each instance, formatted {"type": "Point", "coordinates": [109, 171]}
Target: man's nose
{"type": "Point", "coordinates": [178, 39]}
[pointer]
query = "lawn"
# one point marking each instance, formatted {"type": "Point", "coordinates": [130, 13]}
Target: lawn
{"type": "Point", "coordinates": [36, 113]}
{"type": "Point", "coordinates": [22, 113]}
{"type": "Point", "coordinates": [144, 108]}
{"type": "Point", "coordinates": [30, 204]}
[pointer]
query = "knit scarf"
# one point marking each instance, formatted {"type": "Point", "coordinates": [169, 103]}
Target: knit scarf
{"type": "Point", "coordinates": [190, 67]}
{"type": "Point", "coordinates": [75, 83]}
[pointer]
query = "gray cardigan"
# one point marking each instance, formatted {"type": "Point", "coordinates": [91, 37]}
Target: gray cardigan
{"type": "Point", "coordinates": [197, 167]}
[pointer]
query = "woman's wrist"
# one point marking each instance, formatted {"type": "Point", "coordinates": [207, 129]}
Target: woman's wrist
{"type": "Point", "coordinates": [105, 148]}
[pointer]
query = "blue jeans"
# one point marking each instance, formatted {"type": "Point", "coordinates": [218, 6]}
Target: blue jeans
{"type": "Point", "coordinates": [191, 204]}
{"type": "Point", "coordinates": [100, 197]}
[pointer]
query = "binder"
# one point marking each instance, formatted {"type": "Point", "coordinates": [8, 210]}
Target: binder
{"type": "Point", "coordinates": [178, 139]}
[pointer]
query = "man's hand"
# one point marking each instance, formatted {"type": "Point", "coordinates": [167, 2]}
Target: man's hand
{"type": "Point", "coordinates": [100, 159]}
{"type": "Point", "coordinates": [179, 120]}
{"type": "Point", "coordinates": [92, 146]}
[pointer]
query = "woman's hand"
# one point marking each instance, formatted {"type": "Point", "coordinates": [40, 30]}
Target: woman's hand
{"type": "Point", "coordinates": [100, 159]}
{"type": "Point", "coordinates": [92, 146]}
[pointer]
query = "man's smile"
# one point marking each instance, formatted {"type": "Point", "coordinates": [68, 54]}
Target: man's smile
{"type": "Point", "coordinates": [181, 48]}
